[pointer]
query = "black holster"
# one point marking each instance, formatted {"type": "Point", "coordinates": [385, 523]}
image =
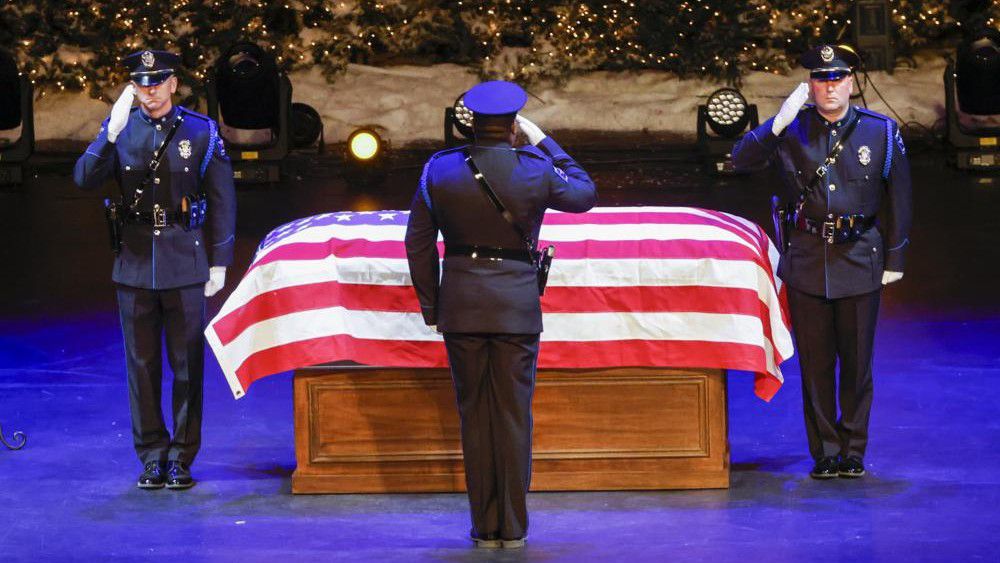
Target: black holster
{"type": "Point", "coordinates": [781, 218]}
{"type": "Point", "coordinates": [115, 217]}
{"type": "Point", "coordinates": [543, 263]}
{"type": "Point", "coordinates": [193, 210]}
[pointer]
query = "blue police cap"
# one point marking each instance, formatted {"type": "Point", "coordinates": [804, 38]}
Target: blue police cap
{"type": "Point", "coordinates": [497, 97]}
{"type": "Point", "coordinates": [149, 68]}
{"type": "Point", "coordinates": [830, 62]}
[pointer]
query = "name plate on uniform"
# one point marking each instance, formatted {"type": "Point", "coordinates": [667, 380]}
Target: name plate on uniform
{"type": "Point", "coordinates": [249, 155]}
{"type": "Point", "coordinates": [987, 141]}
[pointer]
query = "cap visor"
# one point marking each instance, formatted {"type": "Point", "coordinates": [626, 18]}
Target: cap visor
{"type": "Point", "coordinates": [150, 78]}
{"type": "Point", "coordinates": [827, 75]}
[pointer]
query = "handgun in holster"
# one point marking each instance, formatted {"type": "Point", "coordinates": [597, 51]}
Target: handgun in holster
{"type": "Point", "coordinates": [113, 214]}
{"type": "Point", "coordinates": [544, 263]}
{"type": "Point", "coordinates": [781, 217]}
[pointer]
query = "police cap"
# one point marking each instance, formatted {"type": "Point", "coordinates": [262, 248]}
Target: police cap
{"type": "Point", "coordinates": [149, 68]}
{"type": "Point", "coordinates": [497, 97]}
{"type": "Point", "coordinates": [830, 62]}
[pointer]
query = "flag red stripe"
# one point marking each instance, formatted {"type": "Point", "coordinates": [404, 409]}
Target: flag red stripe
{"type": "Point", "coordinates": [417, 354]}
{"type": "Point", "coordinates": [392, 249]}
{"type": "Point", "coordinates": [557, 299]}
{"type": "Point", "coordinates": [714, 219]}
{"type": "Point", "coordinates": [570, 250]}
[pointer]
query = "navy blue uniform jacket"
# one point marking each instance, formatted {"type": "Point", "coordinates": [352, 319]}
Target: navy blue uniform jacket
{"type": "Point", "coordinates": [195, 162]}
{"type": "Point", "coordinates": [871, 177]}
{"type": "Point", "coordinates": [477, 295]}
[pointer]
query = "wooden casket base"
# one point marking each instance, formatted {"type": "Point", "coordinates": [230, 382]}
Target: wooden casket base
{"type": "Point", "coordinates": [390, 430]}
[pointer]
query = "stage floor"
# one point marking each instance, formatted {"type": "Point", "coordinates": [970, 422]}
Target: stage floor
{"type": "Point", "coordinates": [931, 494]}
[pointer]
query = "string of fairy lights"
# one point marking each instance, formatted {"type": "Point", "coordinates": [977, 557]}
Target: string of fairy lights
{"type": "Point", "coordinates": [78, 45]}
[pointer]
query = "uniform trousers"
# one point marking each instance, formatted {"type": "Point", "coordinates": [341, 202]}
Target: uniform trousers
{"type": "Point", "coordinates": [148, 317]}
{"type": "Point", "coordinates": [494, 377]}
{"type": "Point", "coordinates": [828, 332]}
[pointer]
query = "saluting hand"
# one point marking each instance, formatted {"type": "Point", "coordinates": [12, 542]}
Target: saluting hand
{"type": "Point", "coordinates": [533, 132]}
{"type": "Point", "coordinates": [119, 112]}
{"type": "Point", "coordinates": [790, 108]}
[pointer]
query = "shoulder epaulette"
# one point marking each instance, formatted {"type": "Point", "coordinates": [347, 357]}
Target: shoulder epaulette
{"type": "Point", "coordinates": [192, 113]}
{"type": "Point", "coordinates": [868, 112]}
{"type": "Point", "coordinates": [533, 151]}
{"type": "Point", "coordinates": [439, 154]}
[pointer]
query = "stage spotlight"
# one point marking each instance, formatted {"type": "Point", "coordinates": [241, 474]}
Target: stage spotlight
{"type": "Point", "coordinates": [457, 118]}
{"type": "Point", "coordinates": [727, 114]}
{"type": "Point", "coordinates": [307, 126]}
{"type": "Point", "coordinates": [17, 121]}
{"type": "Point", "coordinates": [252, 101]}
{"type": "Point", "coordinates": [366, 157]}
{"type": "Point", "coordinates": [364, 145]}
{"type": "Point", "coordinates": [972, 102]}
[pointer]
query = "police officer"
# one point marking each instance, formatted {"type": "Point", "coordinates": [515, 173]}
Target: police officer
{"type": "Point", "coordinates": [487, 301]}
{"type": "Point", "coordinates": [846, 206]}
{"type": "Point", "coordinates": [168, 263]}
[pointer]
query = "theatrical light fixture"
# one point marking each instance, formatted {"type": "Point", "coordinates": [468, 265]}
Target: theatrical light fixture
{"type": "Point", "coordinates": [727, 114]}
{"type": "Point", "coordinates": [366, 157]}
{"type": "Point", "coordinates": [364, 144]}
{"type": "Point", "coordinates": [972, 102]}
{"type": "Point", "coordinates": [457, 118]}
{"type": "Point", "coordinates": [252, 101]}
{"type": "Point", "coordinates": [16, 118]}
{"type": "Point", "coordinates": [307, 126]}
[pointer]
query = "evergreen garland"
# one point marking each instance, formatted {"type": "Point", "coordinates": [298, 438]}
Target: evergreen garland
{"type": "Point", "coordinates": [76, 45]}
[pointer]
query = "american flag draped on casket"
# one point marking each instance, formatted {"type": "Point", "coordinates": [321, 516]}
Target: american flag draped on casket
{"type": "Point", "coordinates": [630, 286]}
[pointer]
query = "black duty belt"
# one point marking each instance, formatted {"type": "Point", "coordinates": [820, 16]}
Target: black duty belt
{"type": "Point", "coordinates": [846, 228]}
{"type": "Point", "coordinates": [488, 252]}
{"type": "Point", "coordinates": [156, 218]}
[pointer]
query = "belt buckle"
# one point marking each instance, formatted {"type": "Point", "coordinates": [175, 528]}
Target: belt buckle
{"type": "Point", "coordinates": [829, 231]}
{"type": "Point", "coordinates": [159, 216]}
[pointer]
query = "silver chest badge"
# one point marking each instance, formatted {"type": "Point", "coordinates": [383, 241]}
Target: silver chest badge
{"type": "Point", "coordinates": [864, 155]}
{"type": "Point", "coordinates": [184, 148]}
{"type": "Point", "coordinates": [826, 53]}
{"type": "Point", "coordinates": [147, 59]}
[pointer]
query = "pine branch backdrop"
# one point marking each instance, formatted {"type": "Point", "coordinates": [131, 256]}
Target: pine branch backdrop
{"type": "Point", "coordinates": [77, 45]}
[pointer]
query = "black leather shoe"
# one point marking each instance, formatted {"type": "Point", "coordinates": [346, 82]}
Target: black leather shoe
{"type": "Point", "coordinates": [179, 475]}
{"type": "Point", "coordinates": [825, 468]}
{"type": "Point", "coordinates": [486, 541]}
{"type": "Point", "coordinates": [153, 476]}
{"type": "Point", "coordinates": [851, 467]}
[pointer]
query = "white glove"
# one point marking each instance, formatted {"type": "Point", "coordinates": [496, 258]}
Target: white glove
{"type": "Point", "coordinates": [216, 279]}
{"type": "Point", "coordinates": [534, 133]}
{"type": "Point", "coordinates": [119, 112]}
{"type": "Point", "coordinates": [790, 108]}
{"type": "Point", "coordinates": [890, 276]}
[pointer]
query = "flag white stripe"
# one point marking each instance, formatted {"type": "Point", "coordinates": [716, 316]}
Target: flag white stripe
{"type": "Point", "coordinates": [570, 327]}
{"type": "Point", "coordinates": [590, 272]}
{"type": "Point", "coordinates": [555, 233]}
